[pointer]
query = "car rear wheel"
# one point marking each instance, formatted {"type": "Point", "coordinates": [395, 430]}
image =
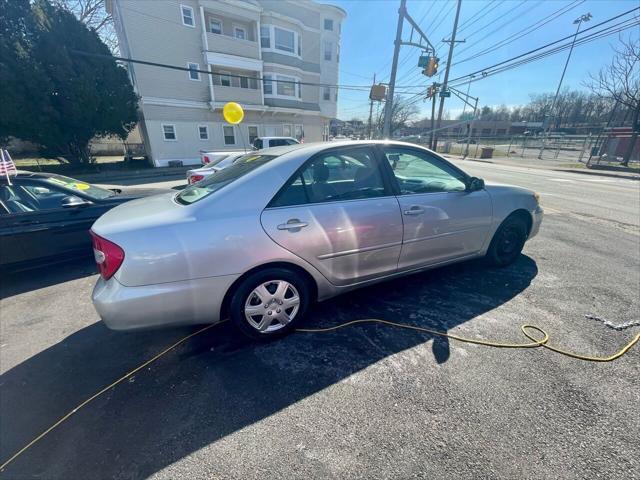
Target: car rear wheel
{"type": "Point", "coordinates": [508, 241]}
{"type": "Point", "coordinates": [269, 304]}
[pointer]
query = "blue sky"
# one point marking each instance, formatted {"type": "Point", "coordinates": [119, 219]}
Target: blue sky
{"type": "Point", "coordinates": [369, 30]}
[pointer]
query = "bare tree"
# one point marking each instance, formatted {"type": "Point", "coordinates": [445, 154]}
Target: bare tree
{"type": "Point", "coordinates": [403, 112]}
{"type": "Point", "coordinates": [94, 15]}
{"type": "Point", "coordinates": [621, 81]}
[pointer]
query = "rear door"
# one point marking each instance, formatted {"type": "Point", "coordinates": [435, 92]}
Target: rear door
{"type": "Point", "coordinates": [339, 214]}
{"type": "Point", "coordinates": [442, 221]}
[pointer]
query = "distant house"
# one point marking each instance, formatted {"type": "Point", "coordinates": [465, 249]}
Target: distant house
{"type": "Point", "coordinates": [271, 56]}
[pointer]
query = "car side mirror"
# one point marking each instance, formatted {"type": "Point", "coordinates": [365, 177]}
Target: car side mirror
{"type": "Point", "coordinates": [474, 184]}
{"type": "Point", "coordinates": [71, 201]}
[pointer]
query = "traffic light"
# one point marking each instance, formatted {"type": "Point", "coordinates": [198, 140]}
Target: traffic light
{"type": "Point", "coordinates": [432, 67]}
{"type": "Point", "coordinates": [432, 90]}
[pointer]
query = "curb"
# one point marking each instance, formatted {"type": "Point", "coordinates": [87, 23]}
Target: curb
{"type": "Point", "coordinates": [599, 173]}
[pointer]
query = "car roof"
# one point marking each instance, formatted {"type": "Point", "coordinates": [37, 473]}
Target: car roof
{"type": "Point", "coordinates": [315, 147]}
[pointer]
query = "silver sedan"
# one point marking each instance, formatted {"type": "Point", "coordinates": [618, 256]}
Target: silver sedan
{"type": "Point", "coordinates": [261, 240]}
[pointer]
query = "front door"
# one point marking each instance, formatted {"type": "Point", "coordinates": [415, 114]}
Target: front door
{"type": "Point", "coordinates": [339, 215]}
{"type": "Point", "coordinates": [47, 228]}
{"type": "Point", "coordinates": [442, 221]}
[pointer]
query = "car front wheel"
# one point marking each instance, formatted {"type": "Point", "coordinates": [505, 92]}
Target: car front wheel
{"type": "Point", "coordinates": [508, 241]}
{"type": "Point", "coordinates": [269, 303]}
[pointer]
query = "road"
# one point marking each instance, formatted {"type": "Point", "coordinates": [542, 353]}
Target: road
{"type": "Point", "coordinates": [364, 402]}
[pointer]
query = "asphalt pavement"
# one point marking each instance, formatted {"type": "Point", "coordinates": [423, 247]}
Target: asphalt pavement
{"type": "Point", "coordinates": [363, 402]}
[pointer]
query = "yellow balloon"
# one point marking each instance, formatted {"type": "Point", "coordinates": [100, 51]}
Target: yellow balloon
{"type": "Point", "coordinates": [233, 113]}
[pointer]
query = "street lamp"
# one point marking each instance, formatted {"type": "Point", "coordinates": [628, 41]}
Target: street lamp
{"type": "Point", "coordinates": [582, 18]}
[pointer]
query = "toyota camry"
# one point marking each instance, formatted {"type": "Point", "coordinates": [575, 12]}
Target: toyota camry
{"type": "Point", "coordinates": [261, 240]}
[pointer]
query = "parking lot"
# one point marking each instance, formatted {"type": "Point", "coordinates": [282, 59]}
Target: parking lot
{"type": "Point", "coordinates": [362, 402]}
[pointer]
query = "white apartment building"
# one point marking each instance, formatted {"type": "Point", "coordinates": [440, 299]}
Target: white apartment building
{"type": "Point", "coordinates": [293, 45]}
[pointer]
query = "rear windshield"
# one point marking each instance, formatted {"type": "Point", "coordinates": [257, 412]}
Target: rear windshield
{"type": "Point", "coordinates": [215, 182]}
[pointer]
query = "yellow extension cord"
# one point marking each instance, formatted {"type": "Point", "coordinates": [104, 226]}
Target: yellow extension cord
{"type": "Point", "coordinates": [525, 330]}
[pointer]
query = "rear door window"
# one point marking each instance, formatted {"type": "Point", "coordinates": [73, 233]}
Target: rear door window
{"type": "Point", "coordinates": [348, 174]}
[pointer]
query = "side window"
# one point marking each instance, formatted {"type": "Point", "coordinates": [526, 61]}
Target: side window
{"type": "Point", "coordinates": [420, 172]}
{"type": "Point", "coordinates": [15, 200]}
{"type": "Point", "coordinates": [46, 197]}
{"type": "Point", "coordinates": [257, 143]}
{"type": "Point", "coordinates": [349, 174]}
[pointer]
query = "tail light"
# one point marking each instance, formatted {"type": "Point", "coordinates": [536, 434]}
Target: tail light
{"type": "Point", "coordinates": [205, 159]}
{"type": "Point", "coordinates": [109, 256]}
{"type": "Point", "coordinates": [195, 178]}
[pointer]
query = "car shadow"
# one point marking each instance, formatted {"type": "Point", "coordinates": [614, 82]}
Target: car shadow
{"type": "Point", "coordinates": [218, 383]}
{"type": "Point", "coordinates": [17, 282]}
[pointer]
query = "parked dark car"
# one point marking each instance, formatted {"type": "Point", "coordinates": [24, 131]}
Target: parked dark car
{"type": "Point", "coordinates": [45, 218]}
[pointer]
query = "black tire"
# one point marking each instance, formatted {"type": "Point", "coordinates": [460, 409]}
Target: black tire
{"type": "Point", "coordinates": [269, 278]}
{"type": "Point", "coordinates": [508, 241]}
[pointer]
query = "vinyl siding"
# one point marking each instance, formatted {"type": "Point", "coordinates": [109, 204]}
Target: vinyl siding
{"type": "Point", "coordinates": [147, 24]}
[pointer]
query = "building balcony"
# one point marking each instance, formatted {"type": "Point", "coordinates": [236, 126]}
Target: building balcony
{"type": "Point", "coordinates": [233, 46]}
{"type": "Point", "coordinates": [244, 96]}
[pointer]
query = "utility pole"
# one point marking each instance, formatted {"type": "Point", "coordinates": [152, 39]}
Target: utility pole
{"type": "Point", "coordinates": [475, 108]}
{"type": "Point", "coordinates": [582, 18]}
{"type": "Point", "coordinates": [371, 107]}
{"type": "Point", "coordinates": [433, 115]}
{"type": "Point", "coordinates": [465, 98]}
{"type": "Point", "coordinates": [388, 107]}
{"type": "Point", "coordinates": [446, 72]}
{"type": "Point", "coordinates": [426, 46]}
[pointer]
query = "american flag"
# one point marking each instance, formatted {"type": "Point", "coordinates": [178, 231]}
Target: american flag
{"type": "Point", "coordinates": [6, 164]}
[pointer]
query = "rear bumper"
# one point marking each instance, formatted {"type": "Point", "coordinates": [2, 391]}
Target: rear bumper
{"type": "Point", "coordinates": [161, 305]}
{"type": "Point", "coordinates": [536, 215]}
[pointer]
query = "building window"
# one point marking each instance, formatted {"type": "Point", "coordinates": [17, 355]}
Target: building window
{"type": "Point", "coordinates": [229, 137]}
{"type": "Point", "coordinates": [265, 37]}
{"type": "Point", "coordinates": [328, 24]}
{"type": "Point", "coordinates": [225, 80]}
{"type": "Point", "coordinates": [240, 32]}
{"type": "Point", "coordinates": [215, 26]}
{"type": "Point", "coordinates": [169, 132]}
{"type": "Point", "coordinates": [194, 74]}
{"type": "Point", "coordinates": [284, 40]}
{"type": "Point", "coordinates": [253, 134]}
{"type": "Point", "coordinates": [328, 48]}
{"type": "Point", "coordinates": [338, 53]}
{"type": "Point", "coordinates": [286, 130]}
{"type": "Point", "coordinates": [244, 82]}
{"type": "Point", "coordinates": [326, 93]}
{"type": "Point", "coordinates": [203, 132]}
{"type": "Point", "coordinates": [268, 84]}
{"type": "Point", "coordinates": [187, 16]}
{"type": "Point", "coordinates": [286, 86]}
{"type": "Point", "coordinates": [299, 133]}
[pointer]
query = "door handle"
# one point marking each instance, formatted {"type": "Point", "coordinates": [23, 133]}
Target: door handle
{"type": "Point", "coordinates": [293, 224]}
{"type": "Point", "coordinates": [414, 210]}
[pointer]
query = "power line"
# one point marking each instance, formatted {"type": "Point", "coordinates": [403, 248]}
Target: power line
{"type": "Point", "coordinates": [592, 37]}
{"type": "Point", "coordinates": [230, 75]}
{"type": "Point", "coordinates": [521, 33]}
{"type": "Point", "coordinates": [496, 29]}
{"type": "Point", "coordinates": [485, 12]}
{"type": "Point", "coordinates": [477, 72]}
